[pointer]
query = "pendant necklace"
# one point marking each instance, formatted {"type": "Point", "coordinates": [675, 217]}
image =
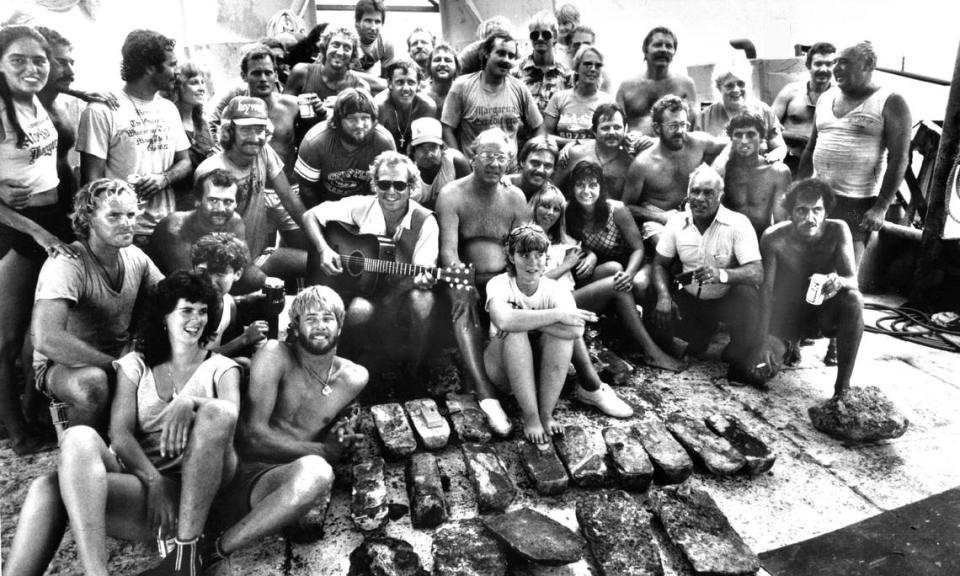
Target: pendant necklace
{"type": "Point", "coordinates": [327, 389]}
{"type": "Point", "coordinates": [403, 131]}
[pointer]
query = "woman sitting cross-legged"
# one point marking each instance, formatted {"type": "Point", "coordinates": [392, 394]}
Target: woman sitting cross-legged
{"type": "Point", "coordinates": [564, 255]}
{"type": "Point", "coordinates": [529, 312]}
{"type": "Point", "coordinates": [172, 422]}
{"type": "Point", "coordinates": [613, 271]}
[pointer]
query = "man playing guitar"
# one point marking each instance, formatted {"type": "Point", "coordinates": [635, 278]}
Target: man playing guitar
{"type": "Point", "coordinates": [401, 307]}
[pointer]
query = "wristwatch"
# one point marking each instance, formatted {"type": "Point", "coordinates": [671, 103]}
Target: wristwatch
{"type": "Point", "coordinates": [723, 276]}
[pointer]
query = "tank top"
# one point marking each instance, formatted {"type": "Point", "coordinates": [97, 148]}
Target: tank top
{"type": "Point", "coordinates": [849, 151]}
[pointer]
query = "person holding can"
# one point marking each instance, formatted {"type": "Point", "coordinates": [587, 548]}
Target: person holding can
{"type": "Point", "coordinates": [810, 284]}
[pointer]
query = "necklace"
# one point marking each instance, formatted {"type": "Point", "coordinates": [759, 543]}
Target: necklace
{"type": "Point", "coordinates": [326, 389]}
{"type": "Point", "coordinates": [191, 370]}
{"type": "Point", "coordinates": [403, 131]}
{"type": "Point", "coordinates": [135, 107]}
{"type": "Point", "coordinates": [114, 283]}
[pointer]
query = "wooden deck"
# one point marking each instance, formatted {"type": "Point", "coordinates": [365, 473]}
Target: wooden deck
{"type": "Point", "coordinates": [817, 485]}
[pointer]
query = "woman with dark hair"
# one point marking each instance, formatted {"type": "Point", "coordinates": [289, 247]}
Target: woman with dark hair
{"type": "Point", "coordinates": [33, 224]}
{"type": "Point", "coordinates": [172, 422]}
{"type": "Point", "coordinates": [606, 228]}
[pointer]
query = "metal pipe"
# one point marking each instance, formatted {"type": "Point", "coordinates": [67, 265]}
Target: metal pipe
{"type": "Point", "coordinates": [912, 76]}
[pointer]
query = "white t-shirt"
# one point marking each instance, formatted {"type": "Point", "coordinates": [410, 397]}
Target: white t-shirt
{"type": "Point", "coordinates": [556, 253]}
{"type": "Point", "coordinates": [549, 294]}
{"type": "Point", "coordinates": [139, 137]}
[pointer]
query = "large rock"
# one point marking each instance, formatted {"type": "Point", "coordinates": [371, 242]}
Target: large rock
{"type": "Point", "coordinates": [385, 556]}
{"type": "Point", "coordinates": [715, 453]}
{"type": "Point", "coordinates": [703, 534]}
{"type": "Point", "coordinates": [536, 538]}
{"type": "Point", "coordinates": [582, 453]}
{"type": "Point", "coordinates": [760, 457]}
{"type": "Point", "coordinates": [467, 549]}
{"type": "Point", "coordinates": [616, 370]}
{"type": "Point", "coordinates": [394, 430]}
{"type": "Point", "coordinates": [495, 489]}
{"type": "Point", "coordinates": [618, 534]}
{"type": "Point", "coordinates": [369, 505]}
{"type": "Point", "coordinates": [430, 426]}
{"type": "Point", "coordinates": [469, 421]}
{"type": "Point", "coordinates": [631, 464]}
{"type": "Point", "coordinates": [543, 467]}
{"type": "Point", "coordinates": [671, 462]}
{"type": "Point", "coordinates": [428, 508]}
{"type": "Point", "coordinates": [862, 415]}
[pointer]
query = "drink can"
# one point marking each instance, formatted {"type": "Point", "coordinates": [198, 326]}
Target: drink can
{"type": "Point", "coordinates": [58, 416]}
{"type": "Point", "coordinates": [306, 108]}
{"type": "Point", "coordinates": [815, 290]}
{"type": "Point", "coordinates": [165, 545]}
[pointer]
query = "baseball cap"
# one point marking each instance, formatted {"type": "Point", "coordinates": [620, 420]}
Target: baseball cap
{"type": "Point", "coordinates": [247, 111]}
{"type": "Point", "coordinates": [426, 130]}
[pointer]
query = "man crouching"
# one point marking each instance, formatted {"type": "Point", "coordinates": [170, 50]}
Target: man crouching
{"type": "Point", "coordinates": [528, 311]}
{"type": "Point", "coordinates": [809, 248]}
{"type": "Point", "coordinates": [289, 433]}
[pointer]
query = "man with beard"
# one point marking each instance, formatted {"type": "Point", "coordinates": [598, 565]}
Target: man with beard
{"type": "Point", "coordinates": [420, 45]}
{"type": "Point", "coordinates": [142, 140]}
{"type": "Point", "coordinates": [256, 167]}
{"type": "Point", "coordinates": [608, 150]}
{"type": "Point", "coordinates": [657, 179]}
{"type": "Point", "coordinates": [491, 98]}
{"type": "Point", "coordinates": [718, 251]}
{"type": "Point", "coordinates": [376, 52]}
{"type": "Point", "coordinates": [292, 431]}
{"type": "Point", "coordinates": [476, 213]}
{"type": "Point", "coordinates": [855, 123]}
{"type": "Point", "coordinates": [443, 70]}
{"type": "Point", "coordinates": [320, 82]}
{"type": "Point", "coordinates": [753, 187]}
{"type": "Point", "coordinates": [401, 103]}
{"type": "Point", "coordinates": [638, 95]}
{"type": "Point", "coordinates": [258, 69]}
{"type": "Point", "coordinates": [792, 252]}
{"type": "Point", "coordinates": [438, 165]}
{"type": "Point", "coordinates": [84, 306]}
{"type": "Point", "coordinates": [216, 193]}
{"type": "Point", "coordinates": [537, 160]}
{"type": "Point", "coordinates": [393, 321]}
{"type": "Point", "coordinates": [794, 105]}
{"type": "Point", "coordinates": [334, 158]}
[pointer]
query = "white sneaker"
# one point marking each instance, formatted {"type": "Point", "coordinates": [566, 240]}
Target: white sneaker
{"type": "Point", "coordinates": [605, 400]}
{"type": "Point", "coordinates": [496, 417]}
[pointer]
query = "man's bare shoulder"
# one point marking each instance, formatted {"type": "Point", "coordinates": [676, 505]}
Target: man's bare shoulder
{"type": "Point", "coordinates": [775, 237]}
{"type": "Point", "coordinates": [172, 223]}
{"type": "Point", "coordinates": [286, 102]}
{"type": "Point", "coordinates": [274, 355]}
{"type": "Point", "coordinates": [793, 90]}
{"type": "Point", "coordinates": [836, 231]}
{"type": "Point", "coordinates": [353, 375]}
{"type": "Point", "coordinates": [453, 193]}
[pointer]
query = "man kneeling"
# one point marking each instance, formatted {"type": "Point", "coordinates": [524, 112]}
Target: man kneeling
{"type": "Point", "coordinates": [289, 435]}
{"type": "Point", "coordinates": [528, 310]}
{"type": "Point", "coordinates": [794, 251]}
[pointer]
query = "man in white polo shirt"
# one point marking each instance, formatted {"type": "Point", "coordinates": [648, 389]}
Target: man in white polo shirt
{"type": "Point", "coordinates": [721, 272]}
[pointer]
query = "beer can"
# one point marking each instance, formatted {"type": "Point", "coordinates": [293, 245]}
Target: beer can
{"type": "Point", "coordinates": [306, 108]}
{"type": "Point", "coordinates": [815, 290]}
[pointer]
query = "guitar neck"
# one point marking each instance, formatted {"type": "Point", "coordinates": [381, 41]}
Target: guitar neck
{"type": "Point", "coordinates": [391, 268]}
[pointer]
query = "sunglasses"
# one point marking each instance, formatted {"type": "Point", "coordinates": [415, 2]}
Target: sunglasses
{"type": "Point", "coordinates": [398, 185]}
{"type": "Point", "coordinates": [538, 34]}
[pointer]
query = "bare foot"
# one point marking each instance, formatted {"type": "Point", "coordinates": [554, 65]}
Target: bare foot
{"type": "Point", "coordinates": [664, 362]}
{"type": "Point", "coordinates": [533, 431]}
{"type": "Point", "coordinates": [552, 427]}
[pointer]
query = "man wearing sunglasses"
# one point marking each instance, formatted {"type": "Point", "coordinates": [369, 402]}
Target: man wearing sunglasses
{"type": "Point", "coordinates": [396, 316]}
{"type": "Point", "coordinates": [541, 72]}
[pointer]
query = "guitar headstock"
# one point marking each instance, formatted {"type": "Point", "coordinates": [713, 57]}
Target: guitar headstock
{"type": "Point", "coordinates": [463, 276]}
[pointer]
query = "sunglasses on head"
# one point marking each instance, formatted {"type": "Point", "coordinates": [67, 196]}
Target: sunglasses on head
{"type": "Point", "coordinates": [398, 185]}
{"type": "Point", "coordinates": [538, 34]}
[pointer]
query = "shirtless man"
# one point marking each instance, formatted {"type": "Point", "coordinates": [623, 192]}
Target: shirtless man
{"type": "Point", "coordinates": [638, 95]}
{"type": "Point", "coordinates": [794, 105]}
{"type": "Point", "coordinates": [476, 213]}
{"type": "Point", "coordinates": [290, 435]}
{"type": "Point", "coordinates": [608, 150]}
{"type": "Point", "coordinates": [753, 187]}
{"type": "Point", "coordinates": [793, 251]}
{"type": "Point", "coordinates": [657, 180]}
{"type": "Point", "coordinates": [215, 212]}
{"type": "Point", "coordinates": [258, 68]}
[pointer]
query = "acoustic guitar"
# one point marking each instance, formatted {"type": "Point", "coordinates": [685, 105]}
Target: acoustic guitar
{"type": "Point", "coordinates": [367, 258]}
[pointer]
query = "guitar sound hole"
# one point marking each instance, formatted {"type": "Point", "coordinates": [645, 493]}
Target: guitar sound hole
{"type": "Point", "coordinates": [354, 265]}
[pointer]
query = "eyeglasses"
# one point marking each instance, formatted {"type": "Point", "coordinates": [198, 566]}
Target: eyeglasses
{"type": "Point", "coordinates": [491, 156]}
{"type": "Point", "coordinates": [398, 185]}
{"type": "Point", "coordinates": [538, 34]}
{"type": "Point", "coordinates": [677, 126]}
